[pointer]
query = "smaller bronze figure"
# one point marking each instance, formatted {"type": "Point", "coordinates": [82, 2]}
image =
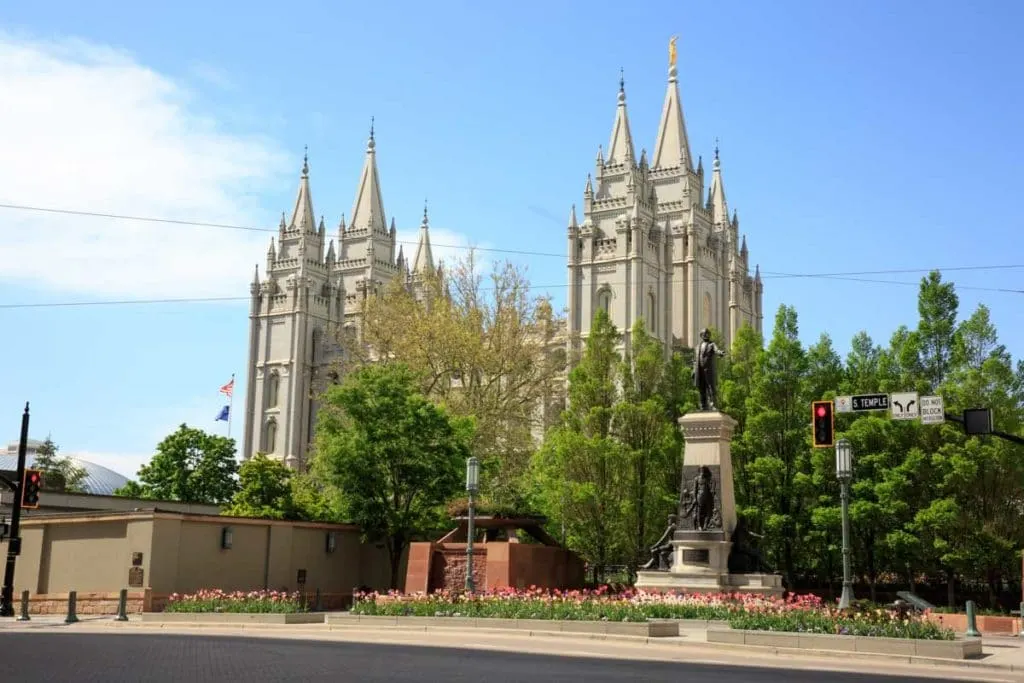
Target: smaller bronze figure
{"type": "Point", "coordinates": [661, 551]}
{"type": "Point", "coordinates": [704, 370]}
{"type": "Point", "coordinates": [745, 557]}
{"type": "Point", "coordinates": [701, 508]}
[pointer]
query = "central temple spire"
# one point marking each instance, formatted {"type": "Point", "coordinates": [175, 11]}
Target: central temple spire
{"type": "Point", "coordinates": [620, 148]}
{"type": "Point", "coordinates": [673, 147]}
{"type": "Point", "coordinates": [368, 210]}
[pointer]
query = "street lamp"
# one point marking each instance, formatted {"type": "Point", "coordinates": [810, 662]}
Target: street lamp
{"type": "Point", "coordinates": [844, 472]}
{"type": "Point", "coordinates": [472, 486]}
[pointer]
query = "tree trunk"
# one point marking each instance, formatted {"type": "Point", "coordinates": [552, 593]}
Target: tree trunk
{"type": "Point", "coordinates": [395, 547]}
{"type": "Point", "coordinates": [950, 588]}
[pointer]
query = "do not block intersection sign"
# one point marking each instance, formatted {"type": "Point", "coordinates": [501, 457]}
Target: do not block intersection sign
{"type": "Point", "coordinates": [933, 412]}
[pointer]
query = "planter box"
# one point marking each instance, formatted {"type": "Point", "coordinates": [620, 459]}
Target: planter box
{"type": "Point", "coordinates": [991, 625]}
{"type": "Point", "coordinates": [961, 648]}
{"type": "Point", "coordinates": [232, 618]}
{"type": "Point", "coordinates": [644, 629]}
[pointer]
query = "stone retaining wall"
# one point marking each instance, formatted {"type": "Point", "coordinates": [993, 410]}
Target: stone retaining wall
{"type": "Point", "coordinates": [988, 625]}
{"type": "Point", "coordinates": [85, 603]}
{"type": "Point", "coordinates": [962, 648]}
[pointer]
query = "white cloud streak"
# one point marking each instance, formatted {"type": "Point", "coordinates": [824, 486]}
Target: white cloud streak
{"type": "Point", "coordinates": [85, 127]}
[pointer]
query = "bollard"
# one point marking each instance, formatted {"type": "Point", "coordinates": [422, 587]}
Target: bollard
{"type": "Point", "coordinates": [317, 607]}
{"type": "Point", "coordinates": [72, 603]}
{"type": "Point", "coordinates": [1022, 620]}
{"type": "Point", "coordinates": [24, 607]}
{"type": "Point", "coordinates": [972, 624]}
{"type": "Point", "coordinates": [122, 606]}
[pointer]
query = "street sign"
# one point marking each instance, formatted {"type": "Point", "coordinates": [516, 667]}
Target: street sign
{"type": "Point", "coordinates": [870, 402]}
{"type": "Point", "coordinates": [932, 410]}
{"type": "Point", "coordinates": [844, 404]}
{"type": "Point", "coordinates": [905, 406]}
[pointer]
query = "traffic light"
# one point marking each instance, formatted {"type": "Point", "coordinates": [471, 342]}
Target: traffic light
{"type": "Point", "coordinates": [30, 486]}
{"type": "Point", "coordinates": [824, 426]}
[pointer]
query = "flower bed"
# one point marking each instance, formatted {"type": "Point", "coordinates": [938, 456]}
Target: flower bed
{"type": "Point", "coordinates": [247, 602]}
{"type": "Point", "coordinates": [801, 613]}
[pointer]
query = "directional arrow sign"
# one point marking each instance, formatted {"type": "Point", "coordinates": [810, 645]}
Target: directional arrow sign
{"type": "Point", "coordinates": [905, 406]}
{"type": "Point", "coordinates": [932, 410]}
{"type": "Point", "coordinates": [870, 402]}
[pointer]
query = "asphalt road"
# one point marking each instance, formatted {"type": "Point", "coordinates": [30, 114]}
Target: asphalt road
{"type": "Point", "coordinates": [111, 658]}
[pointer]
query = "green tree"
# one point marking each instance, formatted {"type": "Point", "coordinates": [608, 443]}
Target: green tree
{"type": "Point", "coordinates": [393, 456]}
{"type": "Point", "coordinates": [578, 473]}
{"type": "Point", "coordinates": [191, 466]}
{"type": "Point", "coordinates": [59, 473]}
{"type": "Point", "coordinates": [778, 436]}
{"type": "Point", "coordinates": [264, 490]}
{"type": "Point", "coordinates": [644, 426]}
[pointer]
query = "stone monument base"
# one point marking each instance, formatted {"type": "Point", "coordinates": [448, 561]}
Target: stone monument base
{"type": "Point", "coordinates": [675, 582]}
{"type": "Point", "coordinates": [700, 564]}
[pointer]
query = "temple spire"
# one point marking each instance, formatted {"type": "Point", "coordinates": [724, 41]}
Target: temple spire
{"type": "Point", "coordinates": [423, 261]}
{"type": "Point", "coordinates": [673, 146]}
{"type": "Point", "coordinates": [719, 207]}
{"type": "Point", "coordinates": [620, 148]}
{"type": "Point", "coordinates": [302, 215]}
{"type": "Point", "coordinates": [368, 209]}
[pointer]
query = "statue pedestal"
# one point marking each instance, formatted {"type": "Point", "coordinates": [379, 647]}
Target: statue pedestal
{"type": "Point", "coordinates": [703, 539]}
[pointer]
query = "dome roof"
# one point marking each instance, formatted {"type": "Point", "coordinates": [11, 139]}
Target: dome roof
{"type": "Point", "coordinates": [99, 480]}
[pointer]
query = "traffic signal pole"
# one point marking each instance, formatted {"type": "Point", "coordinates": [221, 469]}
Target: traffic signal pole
{"type": "Point", "coordinates": [14, 540]}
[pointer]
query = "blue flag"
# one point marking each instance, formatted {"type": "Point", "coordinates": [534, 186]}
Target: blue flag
{"type": "Point", "coordinates": [223, 414]}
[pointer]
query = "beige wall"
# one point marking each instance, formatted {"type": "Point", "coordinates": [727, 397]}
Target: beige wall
{"type": "Point", "coordinates": [92, 552]}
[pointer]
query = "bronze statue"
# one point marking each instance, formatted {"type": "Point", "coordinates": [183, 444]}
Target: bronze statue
{"type": "Point", "coordinates": [745, 557]}
{"type": "Point", "coordinates": [704, 370]}
{"type": "Point", "coordinates": [702, 505]}
{"type": "Point", "coordinates": [661, 551]}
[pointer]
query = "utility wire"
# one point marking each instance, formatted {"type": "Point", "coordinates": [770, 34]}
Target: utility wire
{"type": "Point", "coordinates": [196, 300]}
{"type": "Point", "coordinates": [224, 226]}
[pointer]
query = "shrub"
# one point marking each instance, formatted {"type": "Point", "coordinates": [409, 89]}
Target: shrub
{"type": "Point", "coordinates": [216, 600]}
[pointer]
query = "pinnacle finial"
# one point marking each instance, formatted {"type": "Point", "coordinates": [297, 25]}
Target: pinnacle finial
{"type": "Point", "coordinates": [371, 143]}
{"type": "Point", "coordinates": [305, 160]}
{"type": "Point", "coordinates": [717, 164]}
{"type": "Point", "coordinates": [424, 211]}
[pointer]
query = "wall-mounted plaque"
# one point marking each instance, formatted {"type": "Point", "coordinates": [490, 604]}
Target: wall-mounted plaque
{"type": "Point", "coordinates": [135, 577]}
{"type": "Point", "coordinates": [136, 559]}
{"type": "Point", "coordinates": [301, 579]}
{"type": "Point", "coordinates": [698, 556]}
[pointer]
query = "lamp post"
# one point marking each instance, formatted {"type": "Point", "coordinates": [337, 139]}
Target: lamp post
{"type": "Point", "coordinates": [844, 472]}
{"type": "Point", "coordinates": [472, 486]}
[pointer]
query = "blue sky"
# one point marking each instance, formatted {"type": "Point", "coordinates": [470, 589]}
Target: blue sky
{"type": "Point", "coordinates": [854, 137]}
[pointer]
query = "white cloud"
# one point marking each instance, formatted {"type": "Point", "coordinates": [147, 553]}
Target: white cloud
{"type": "Point", "coordinates": [84, 127]}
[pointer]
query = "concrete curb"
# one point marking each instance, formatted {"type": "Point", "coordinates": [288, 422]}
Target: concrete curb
{"type": "Point", "coordinates": [682, 641]}
{"type": "Point", "coordinates": [961, 648]}
{"type": "Point", "coordinates": [641, 629]}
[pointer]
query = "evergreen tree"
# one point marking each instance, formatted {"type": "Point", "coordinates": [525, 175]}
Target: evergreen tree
{"type": "Point", "coordinates": [59, 473]}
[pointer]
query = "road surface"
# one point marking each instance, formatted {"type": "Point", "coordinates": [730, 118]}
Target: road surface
{"type": "Point", "coordinates": [156, 658]}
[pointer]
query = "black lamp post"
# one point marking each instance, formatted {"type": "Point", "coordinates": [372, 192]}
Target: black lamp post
{"type": "Point", "coordinates": [844, 472]}
{"type": "Point", "coordinates": [472, 486]}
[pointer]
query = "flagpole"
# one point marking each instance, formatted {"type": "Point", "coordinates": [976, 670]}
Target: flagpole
{"type": "Point", "coordinates": [231, 404]}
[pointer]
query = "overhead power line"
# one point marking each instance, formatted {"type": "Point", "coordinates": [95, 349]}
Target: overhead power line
{"type": "Point", "coordinates": [197, 300]}
{"type": "Point", "coordinates": [246, 228]}
{"type": "Point", "coordinates": [522, 252]}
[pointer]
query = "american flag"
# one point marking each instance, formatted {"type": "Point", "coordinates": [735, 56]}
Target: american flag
{"type": "Point", "coordinates": [229, 388]}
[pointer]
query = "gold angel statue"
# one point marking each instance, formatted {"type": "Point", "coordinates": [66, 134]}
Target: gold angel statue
{"type": "Point", "coordinates": [672, 51]}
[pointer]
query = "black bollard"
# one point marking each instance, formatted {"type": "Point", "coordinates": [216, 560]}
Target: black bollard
{"type": "Point", "coordinates": [317, 606]}
{"type": "Point", "coordinates": [122, 606]}
{"type": "Point", "coordinates": [24, 607]}
{"type": "Point", "coordinates": [72, 604]}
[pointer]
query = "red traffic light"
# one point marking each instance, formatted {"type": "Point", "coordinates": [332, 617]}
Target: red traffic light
{"type": "Point", "coordinates": [823, 429]}
{"type": "Point", "coordinates": [30, 486]}
{"type": "Point", "coordinates": [33, 477]}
